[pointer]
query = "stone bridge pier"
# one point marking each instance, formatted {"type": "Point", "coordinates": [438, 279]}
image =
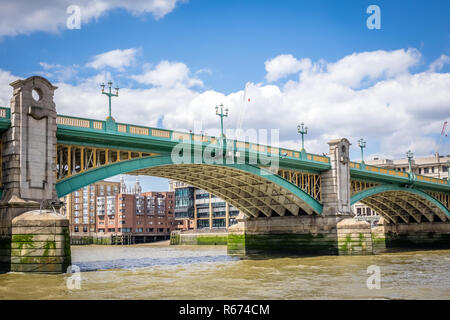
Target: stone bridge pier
{"type": "Point", "coordinates": [32, 238]}
{"type": "Point", "coordinates": [333, 232]}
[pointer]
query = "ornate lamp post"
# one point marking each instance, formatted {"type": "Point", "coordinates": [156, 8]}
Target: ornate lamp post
{"type": "Point", "coordinates": [221, 114]}
{"type": "Point", "coordinates": [302, 130]}
{"type": "Point", "coordinates": [362, 145]}
{"type": "Point", "coordinates": [109, 94]}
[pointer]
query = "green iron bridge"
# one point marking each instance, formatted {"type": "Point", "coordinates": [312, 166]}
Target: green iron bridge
{"type": "Point", "coordinates": [291, 200]}
{"type": "Point", "coordinates": [90, 150]}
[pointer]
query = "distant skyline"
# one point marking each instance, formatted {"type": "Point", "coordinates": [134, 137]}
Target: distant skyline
{"type": "Point", "coordinates": [297, 61]}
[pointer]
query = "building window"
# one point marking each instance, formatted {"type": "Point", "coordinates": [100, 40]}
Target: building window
{"type": "Point", "coordinates": [85, 228]}
{"type": "Point", "coordinates": [202, 223]}
{"type": "Point", "coordinates": [426, 170]}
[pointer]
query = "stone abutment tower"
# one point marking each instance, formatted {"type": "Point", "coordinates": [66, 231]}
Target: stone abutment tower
{"type": "Point", "coordinates": [28, 163]}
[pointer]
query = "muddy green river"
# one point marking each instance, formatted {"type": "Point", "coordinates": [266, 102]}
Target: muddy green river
{"type": "Point", "coordinates": [160, 271]}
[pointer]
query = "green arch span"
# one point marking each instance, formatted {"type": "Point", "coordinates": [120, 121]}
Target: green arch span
{"type": "Point", "coordinates": [81, 180]}
{"type": "Point", "coordinates": [387, 188]}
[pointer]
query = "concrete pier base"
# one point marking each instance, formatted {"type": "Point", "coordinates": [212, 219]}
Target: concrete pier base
{"type": "Point", "coordinates": [301, 235]}
{"type": "Point", "coordinates": [10, 208]}
{"type": "Point", "coordinates": [424, 235]}
{"type": "Point", "coordinates": [199, 237]}
{"type": "Point", "coordinates": [40, 243]}
{"type": "Point", "coordinates": [378, 239]}
{"type": "Point", "coordinates": [354, 237]}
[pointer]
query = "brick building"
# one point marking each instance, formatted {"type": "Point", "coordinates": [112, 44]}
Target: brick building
{"type": "Point", "coordinates": [114, 209]}
{"type": "Point", "coordinates": [82, 207]}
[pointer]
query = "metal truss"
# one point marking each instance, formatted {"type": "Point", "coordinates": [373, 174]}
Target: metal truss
{"type": "Point", "coordinates": [72, 159]}
{"type": "Point", "coordinates": [404, 207]}
{"type": "Point", "coordinates": [253, 195]}
{"type": "Point", "coordinates": [308, 182]}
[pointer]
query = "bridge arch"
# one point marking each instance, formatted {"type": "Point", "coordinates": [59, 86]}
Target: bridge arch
{"type": "Point", "coordinates": [253, 190]}
{"type": "Point", "coordinates": [401, 204]}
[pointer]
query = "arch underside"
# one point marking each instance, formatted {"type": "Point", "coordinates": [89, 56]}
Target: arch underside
{"type": "Point", "coordinates": [402, 206]}
{"type": "Point", "coordinates": [253, 195]}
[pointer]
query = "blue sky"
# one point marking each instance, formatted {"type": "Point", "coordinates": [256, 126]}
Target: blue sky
{"type": "Point", "coordinates": [214, 48]}
{"type": "Point", "coordinates": [215, 35]}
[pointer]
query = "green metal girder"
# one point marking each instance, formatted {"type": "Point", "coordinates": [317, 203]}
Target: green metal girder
{"type": "Point", "coordinates": [391, 188]}
{"type": "Point", "coordinates": [80, 180]}
{"type": "Point", "coordinates": [400, 181]}
{"type": "Point", "coordinates": [4, 125]}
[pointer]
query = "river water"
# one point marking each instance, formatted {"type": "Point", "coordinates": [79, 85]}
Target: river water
{"type": "Point", "coordinates": [161, 271]}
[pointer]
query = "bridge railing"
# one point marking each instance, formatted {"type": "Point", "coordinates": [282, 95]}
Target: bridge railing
{"type": "Point", "coordinates": [397, 175]}
{"type": "Point", "coordinates": [178, 136]}
{"type": "Point", "coordinates": [5, 113]}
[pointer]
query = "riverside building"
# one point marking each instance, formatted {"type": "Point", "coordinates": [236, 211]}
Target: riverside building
{"type": "Point", "coordinates": [107, 209]}
{"type": "Point", "coordinates": [197, 209]}
{"type": "Point", "coordinates": [82, 207]}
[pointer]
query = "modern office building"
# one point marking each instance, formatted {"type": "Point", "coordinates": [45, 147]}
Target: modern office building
{"type": "Point", "coordinates": [435, 166]}
{"type": "Point", "coordinates": [197, 209]}
{"type": "Point", "coordinates": [184, 207]}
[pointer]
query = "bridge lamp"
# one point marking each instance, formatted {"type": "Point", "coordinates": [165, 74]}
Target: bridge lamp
{"type": "Point", "coordinates": [302, 130]}
{"type": "Point", "coordinates": [109, 94]}
{"type": "Point", "coordinates": [410, 156]}
{"type": "Point", "coordinates": [362, 145]}
{"type": "Point", "coordinates": [221, 114]}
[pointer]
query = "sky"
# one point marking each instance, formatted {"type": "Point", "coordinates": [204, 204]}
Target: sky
{"type": "Point", "coordinates": [297, 61]}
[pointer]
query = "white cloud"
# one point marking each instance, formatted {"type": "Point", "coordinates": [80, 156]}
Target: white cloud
{"type": "Point", "coordinates": [439, 63]}
{"type": "Point", "coordinates": [57, 71]}
{"type": "Point", "coordinates": [396, 111]}
{"type": "Point", "coordinates": [167, 74]}
{"type": "Point", "coordinates": [284, 65]}
{"type": "Point", "coordinates": [117, 59]}
{"type": "Point", "coordinates": [5, 89]}
{"type": "Point", "coordinates": [353, 69]}
{"type": "Point", "coordinates": [24, 16]}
